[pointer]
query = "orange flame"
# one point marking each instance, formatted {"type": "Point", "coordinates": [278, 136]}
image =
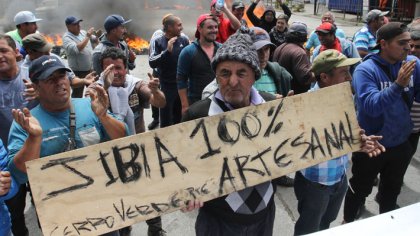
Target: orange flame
{"type": "Point", "coordinates": [137, 43]}
{"type": "Point", "coordinates": [56, 39]}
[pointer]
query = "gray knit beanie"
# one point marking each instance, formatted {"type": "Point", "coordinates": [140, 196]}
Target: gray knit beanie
{"type": "Point", "coordinates": [239, 47]}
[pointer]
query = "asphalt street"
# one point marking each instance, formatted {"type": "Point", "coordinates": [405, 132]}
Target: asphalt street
{"type": "Point", "coordinates": [178, 223]}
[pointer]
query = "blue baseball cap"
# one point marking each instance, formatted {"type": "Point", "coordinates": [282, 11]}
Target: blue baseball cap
{"type": "Point", "coordinates": [113, 21]}
{"type": "Point", "coordinates": [45, 66]}
{"type": "Point", "coordinates": [72, 20]}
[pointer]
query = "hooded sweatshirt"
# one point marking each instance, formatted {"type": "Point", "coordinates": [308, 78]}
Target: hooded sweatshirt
{"type": "Point", "coordinates": [383, 107]}
{"type": "Point", "coordinates": [261, 22]}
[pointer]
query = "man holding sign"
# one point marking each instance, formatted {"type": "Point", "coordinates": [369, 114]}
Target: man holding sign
{"type": "Point", "coordinates": [250, 211]}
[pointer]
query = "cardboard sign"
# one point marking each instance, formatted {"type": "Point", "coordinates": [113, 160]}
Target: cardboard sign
{"type": "Point", "coordinates": [105, 187]}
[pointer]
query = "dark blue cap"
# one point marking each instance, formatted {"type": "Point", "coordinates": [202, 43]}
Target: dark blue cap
{"type": "Point", "coordinates": [72, 20]}
{"type": "Point", "coordinates": [113, 21]}
{"type": "Point", "coordinates": [45, 66]}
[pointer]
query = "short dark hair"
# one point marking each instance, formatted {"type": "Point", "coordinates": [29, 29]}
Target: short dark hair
{"type": "Point", "coordinates": [9, 40]}
{"type": "Point", "coordinates": [113, 53]}
{"type": "Point", "coordinates": [168, 21]}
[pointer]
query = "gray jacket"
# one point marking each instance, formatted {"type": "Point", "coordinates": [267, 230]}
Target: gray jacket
{"type": "Point", "coordinates": [78, 60]}
{"type": "Point", "coordinates": [100, 48]}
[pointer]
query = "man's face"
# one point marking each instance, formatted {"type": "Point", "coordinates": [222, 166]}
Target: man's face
{"type": "Point", "coordinates": [327, 18]}
{"type": "Point", "coordinates": [74, 28]}
{"type": "Point", "coordinates": [238, 13]}
{"type": "Point", "coordinates": [415, 48]}
{"type": "Point", "coordinates": [235, 81]}
{"type": "Point", "coordinates": [119, 71]}
{"type": "Point", "coordinates": [263, 56]}
{"type": "Point", "coordinates": [338, 76]}
{"type": "Point", "coordinates": [7, 57]}
{"type": "Point", "coordinates": [281, 25]}
{"type": "Point", "coordinates": [54, 92]}
{"type": "Point", "coordinates": [326, 39]}
{"type": "Point", "coordinates": [119, 32]}
{"type": "Point", "coordinates": [29, 28]}
{"type": "Point", "coordinates": [209, 30]}
{"type": "Point", "coordinates": [269, 16]}
{"type": "Point", "coordinates": [176, 28]}
{"type": "Point", "coordinates": [397, 48]}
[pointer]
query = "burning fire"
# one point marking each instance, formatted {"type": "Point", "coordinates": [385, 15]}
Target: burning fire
{"type": "Point", "coordinates": [137, 43]}
{"type": "Point", "coordinates": [56, 39]}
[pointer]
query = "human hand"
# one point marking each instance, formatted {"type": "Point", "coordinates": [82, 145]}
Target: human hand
{"type": "Point", "coordinates": [90, 78]}
{"type": "Point", "coordinates": [90, 32]}
{"type": "Point", "coordinates": [100, 101]}
{"type": "Point", "coordinates": [29, 123]}
{"type": "Point", "coordinates": [370, 144]}
{"type": "Point", "coordinates": [405, 73]}
{"type": "Point", "coordinates": [108, 76]}
{"type": "Point", "coordinates": [5, 182]}
{"type": "Point", "coordinates": [154, 83]}
{"type": "Point", "coordinates": [171, 43]}
{"type": "Point", "coordinates": [192, 205]}
{"type": "Point", "coordinates": [30, 92]}
{"type": "Point", "coordinates": [131, 56]}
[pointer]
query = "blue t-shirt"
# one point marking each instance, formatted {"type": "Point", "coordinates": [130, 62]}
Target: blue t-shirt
{"type": "Point", "coordinates": [55, 126]}
{"type": "Point", "coordinates": [11, 97]}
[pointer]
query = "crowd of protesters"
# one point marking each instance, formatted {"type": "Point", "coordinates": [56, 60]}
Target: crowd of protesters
{"type": "Point", "coordinates": [41, 98]}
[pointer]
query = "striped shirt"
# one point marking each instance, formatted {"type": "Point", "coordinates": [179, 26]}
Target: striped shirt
{"type": "Point", "coordinates": [415, 116]}
{"type": "Point", "coordinates": [265, 83]}
{"type": "Point", "coordinates": [365, 40]}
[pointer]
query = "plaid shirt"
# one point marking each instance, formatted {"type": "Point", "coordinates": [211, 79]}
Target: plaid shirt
{"type": "Point", "coordinates": [329, 172]}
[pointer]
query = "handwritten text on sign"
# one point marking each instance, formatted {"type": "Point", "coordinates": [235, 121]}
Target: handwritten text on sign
{"type": "Point", "coordinates": [110, 185]}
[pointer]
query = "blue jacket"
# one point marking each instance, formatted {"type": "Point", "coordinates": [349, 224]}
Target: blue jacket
{"type": "Point", "coordinates": [381, 106]}
{"type": "Point", "coordinates": [5, 223]}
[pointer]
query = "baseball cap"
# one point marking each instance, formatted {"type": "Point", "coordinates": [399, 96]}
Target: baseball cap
{"type": "Point", "coordinates": [330, 59]}
{"type": "Point", "coordinates": [44, 66]}
{"type": "Point", "coordinates": [25, 17]}
{"type": "Point", "coordinates": [113, 21]}
{"type": "Point", "coordinates": [261, 38]}
{"type": "Point", "coordinates": [389, 31]}
{"type": "Point", "coordinates": [326, 28]}
{"type": "Point", "coordinates": [298, 27]}
{"type": "Point", "coordinates": [237, 4]}
{"type": "Point", "coordinates": [36, 42]}
{"type": "Point", "coordinates": [200, 20]}
{"type": "Point", "coordinates": [72, 20]}
{"type": "Point", "coordinates": [375, 13]}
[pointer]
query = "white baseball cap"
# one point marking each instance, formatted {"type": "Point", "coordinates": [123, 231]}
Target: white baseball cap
{"type": "Point", "coordinates": [25, 17]}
